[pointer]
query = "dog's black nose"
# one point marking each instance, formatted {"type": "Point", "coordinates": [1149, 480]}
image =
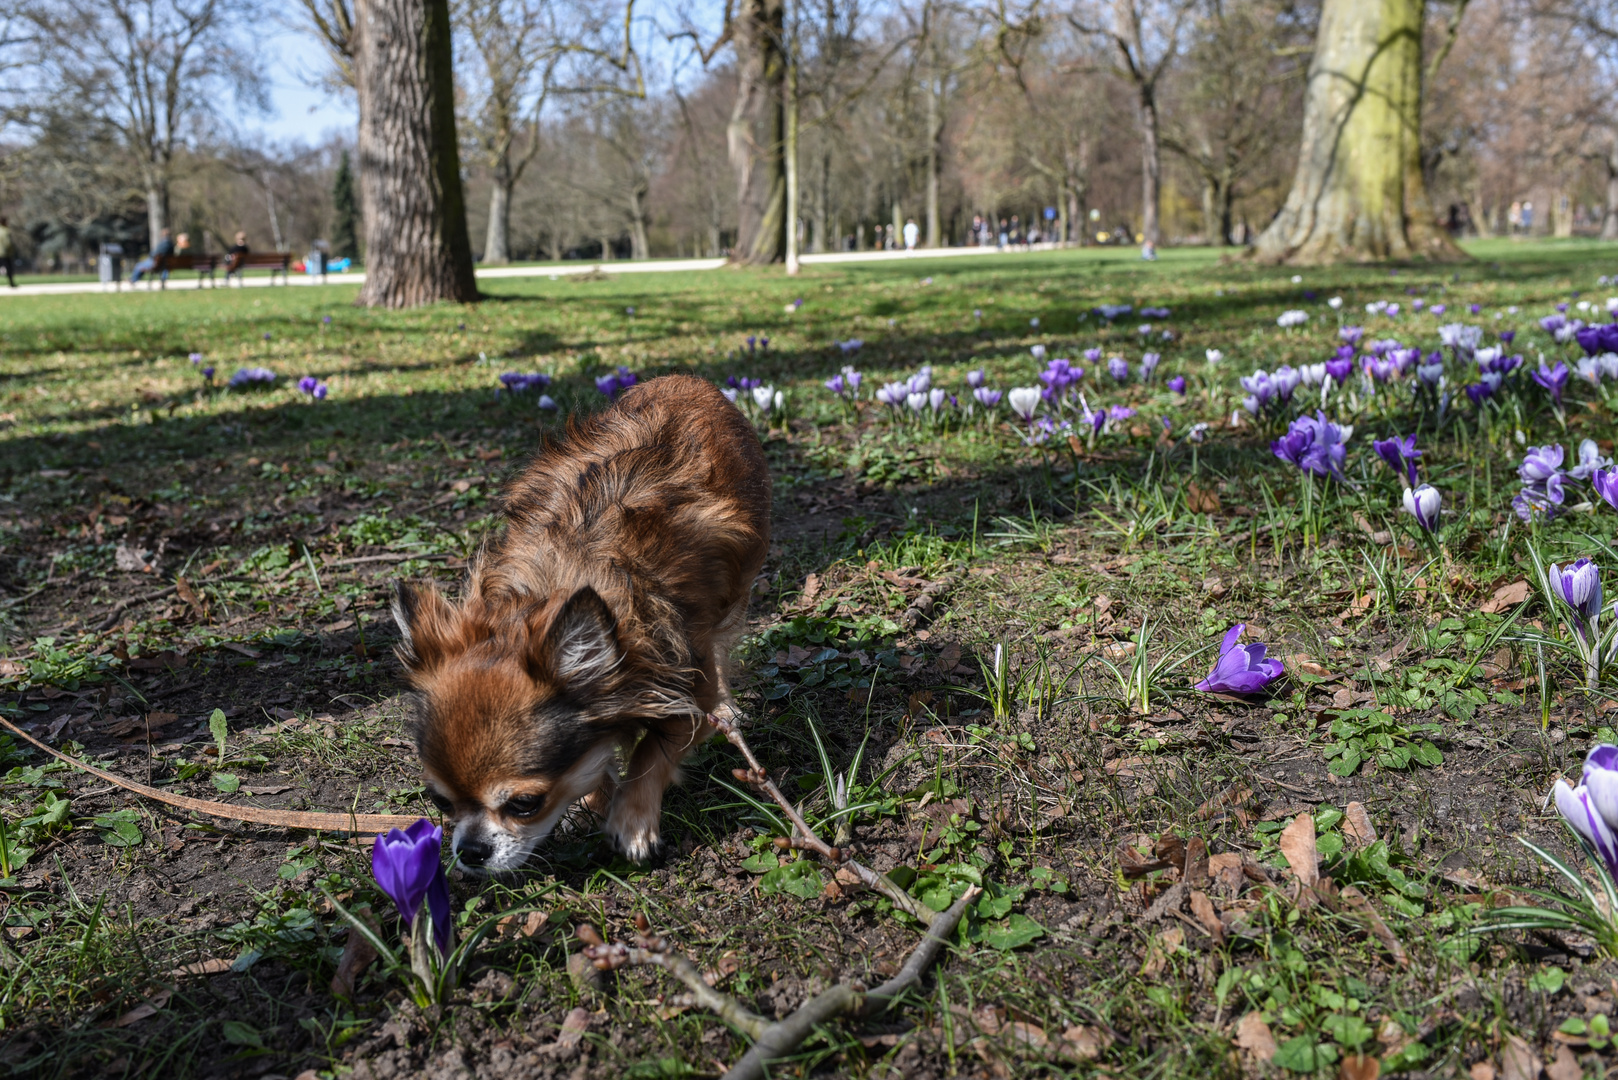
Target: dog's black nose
{"type": "Point", "coordinates": [474, 852]}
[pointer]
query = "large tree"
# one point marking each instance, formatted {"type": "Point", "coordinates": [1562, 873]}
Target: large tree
{"type": "Point", "coordinates": [757, 131]}
{"type": "Point", "coordinates": [1358, 193]}
{"type": "Point", "coordinates": [151, 69]}
{"type": "Point", "coordinates": [1146, 37]}
{"type": "Point", "coordinates": [416, 245]}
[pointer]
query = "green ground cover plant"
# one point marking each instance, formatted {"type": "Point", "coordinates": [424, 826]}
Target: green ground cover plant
{"type": "Point", "coordinates": [988, 652]}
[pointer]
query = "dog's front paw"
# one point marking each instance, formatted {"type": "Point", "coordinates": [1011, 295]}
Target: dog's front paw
{"type": "Point", "coordinates": [634, 831]}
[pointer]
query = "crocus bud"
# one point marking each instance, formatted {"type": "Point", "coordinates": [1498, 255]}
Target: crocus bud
{"type": "Point", "coordinates": [1423, 504]}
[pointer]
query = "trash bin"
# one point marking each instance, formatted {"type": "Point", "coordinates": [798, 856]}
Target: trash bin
{"type": "Point", "coordinates": [110, 265]}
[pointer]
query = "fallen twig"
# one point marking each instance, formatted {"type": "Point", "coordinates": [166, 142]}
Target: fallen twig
{"type": "Point", "coordinates": [772, 1041]}
{"type": "Point", "coordinates": [397, 557]}
{"type": "Point", "coordinates": [781, 1038]}
{"type": "Point", "coordinates": [807, 838]}
{"type": "Point", "coordinates": [657, 952]}
{"type": "Point", "coordinates": [119, 608]}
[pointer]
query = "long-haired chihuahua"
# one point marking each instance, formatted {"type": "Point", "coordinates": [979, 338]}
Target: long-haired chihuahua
{"type": "Point", "coordinates": [599, 623]}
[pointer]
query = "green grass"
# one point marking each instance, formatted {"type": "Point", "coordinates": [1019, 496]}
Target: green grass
{"type": "Point", "coordinates": [1097, 572]}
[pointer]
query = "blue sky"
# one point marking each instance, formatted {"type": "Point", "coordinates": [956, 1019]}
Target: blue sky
{"type": "Point", "coordinates": [304, 110]}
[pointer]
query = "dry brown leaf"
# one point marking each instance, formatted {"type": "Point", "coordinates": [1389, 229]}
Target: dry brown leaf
{"type": "Point", "coordinates": [146, 1008]}
{"type": "Point", "coordinates": [1565, 1066]}
{"type": "Point", "coordinates": [1518, 1060]}
{"type": "Point", "coordinates": [532, 924]}
{"type": "Point", "coordinates": [573, 1029]}
{"type": "Point", "coordinates": [1253, 1035]}
{"type": "Point", "coordinates": [268, 789]}
{"type": "Point", "coordinates": [1221, 803]}
{"type": "Point", "coordinates": [1162, 947]}
{"type": "Point", "coordinates": [811, 590]}
{"type": "Point", "coordinates": [1481, 1071]}
{"type": "Point", "coordinates": [1298, 845]}
{"type": "Point", "coordinates": [357, 956]}
{"type": "Point", "coordinates": [1357, 825]}
{"type": "Point", "coordinates": [212, 966]}
{"type": "Point", "coordinates": [1126, 766]}
{"type": "Point", "coordinates": [1506, 596]}
{"type": "Point", "coordinates": [1195, 873]}
{"type": "Point", "coordinates": [1199, 501]}
{"type": "Point", "coordinates": [1203, 909]}
{"type": "Point", "coordinates": [1359, 1067]}
{"type": "Point", "coordinates": [1083, 1043]}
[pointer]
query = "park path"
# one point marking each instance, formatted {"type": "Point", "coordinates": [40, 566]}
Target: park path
{"type": "Point", "coordinates": [493, 273]}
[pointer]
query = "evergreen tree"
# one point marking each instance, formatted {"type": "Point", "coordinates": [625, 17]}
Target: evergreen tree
{"type": "Point", "coordinates": [345, 230]}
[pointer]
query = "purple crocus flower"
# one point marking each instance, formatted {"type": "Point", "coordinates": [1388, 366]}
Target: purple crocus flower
{"type": "Point", "coordinates": [1591, 809]}
{"type": "Point", "coordinates": [252, 376]}
{"type": "Point", "coordinates": [1597, 339]}
{"type": "Point", "coordinates": [407, 868]}
{"type": "Point", "coordinates": [1438, 309]}
{"type": "Point", "coordinates": [1578, 585]}
{"type": "Point", "coordinates": [196, 358]}
{"type": "Point", "coordinates": [986, 397]}
{"type": "Point", "coordinates": [1038, 351]}
{"type": "Point", "coordinates": [893, 394]}
{"type": "Point", "coordinates": [1423, 504]}
{"type": "Point", "coordinates": [1148, 364]}
{"type": "Point", "coordinates": [207, 373]}
{"type": "Point", "coordinates": [1552, 323]}
{"type": "Point", "coordinates": [1118, 368]}
{"type": "Point", "coordinates": [313, 387]}
{"type": "Point", "coordinates": [1379, 367]}
{"type": "Point", "coordinates": [616, 383]}
{"type": "Point", "coordinates": [1429, 373]}
{"type": "Point", "coordinates": [1315, 445]}
{"type": "Point", "coordinates": [1177, 384]}
{"type": "Point", "coordinates": [1260, 389]}
{"type": "Point", "coordinates": [975, 379]}
{"type": "Point", "coordinates": [1351, 335]}
{"type": "Point", "coordinates": [1339, 367]}
{"type": "Point", "coordinates": [852, 345]}
{"type": "Point", "coordinates": [1401, 456]}
{"type": "Point", "coordinates": [1241, 669]}
{"type": "Point", "coordinates": [521, 382]}
{"type": "Point", "coordinates": [1093, 354]}
{"type": "Point", "coordinates": [1507, 336]}
{"type": "Point", "coordinates": [1285, 380]}
{"type": "Point", "coordinates": [1605, 482]}
{"type": "Point", "coordinates": [1554, 380]}
{"type": "Point", "coordinates": [837, 385]}
{"type": "Point", "coordinates": [326, 320]}
{"type": "Point", "coordinates": [1590, 460]}
{"type": "Point", "coordinates": [1119, 412]}
{"type": "Point", "coordinates": [1541, 463]}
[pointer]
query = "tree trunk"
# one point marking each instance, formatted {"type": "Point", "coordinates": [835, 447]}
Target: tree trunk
{"type": "Point", "coordinates": [640, 246]}
{"type": "Point", "coordinates": [823, 221]}
{"type": "Point", "coordinates": [1609, 220]}
{"type": "Point", "coordinates": [792, 165]}
{"type": "Point", "coordinates": [754, 135]}
{"type": "Point", "coordinates": [157, 210]}
{"type": "Point", "coordinates": [1358, 193]}
{"type": "Point", "coordinates": [497, 241]}
{"type": "Point", "coordinates": [1210, 211]}
{"type": "Point", "coordinates": [416, 243]}
{"type": "Point", "coordinates": [1151, 165]}
{"type": "Point", "coordinates": [934, 127]}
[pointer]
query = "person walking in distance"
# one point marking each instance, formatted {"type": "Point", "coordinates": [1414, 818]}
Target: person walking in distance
{"type": "Point", "coordinates": [912, 234]}
{"type": "Point", "coordinates": [8, 251]}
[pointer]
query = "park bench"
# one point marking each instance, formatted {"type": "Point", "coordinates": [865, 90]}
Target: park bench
{"type": "Point", "coordinates": [204, 265]}
{"type": "Point", "coordinates": [276, 262]}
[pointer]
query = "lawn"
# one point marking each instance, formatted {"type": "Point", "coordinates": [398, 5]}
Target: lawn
{"type": "Point", "coordinates": [989, 627]}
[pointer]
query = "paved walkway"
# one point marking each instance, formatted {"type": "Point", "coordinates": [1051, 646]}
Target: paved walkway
{"type": "Point", "coordinates": [184, 280]}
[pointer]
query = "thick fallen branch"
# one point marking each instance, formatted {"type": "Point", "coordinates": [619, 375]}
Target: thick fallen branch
{"type": "Point", "coordinates": [806, 838]}
{"type": "Point", "coordinates": [772, 1041]}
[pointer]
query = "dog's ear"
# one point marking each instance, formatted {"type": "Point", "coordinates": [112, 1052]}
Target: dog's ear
{"type": "Point", "coordinates": [426, 623]}
{"type": "Point", "coordinates": [580, 647]}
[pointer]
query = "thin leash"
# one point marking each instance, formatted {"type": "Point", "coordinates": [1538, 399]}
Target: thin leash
{"type": "Point", "coordinates": [287, 819]}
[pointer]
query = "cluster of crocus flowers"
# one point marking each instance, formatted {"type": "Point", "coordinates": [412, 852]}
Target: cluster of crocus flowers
{"type": "Point", "coordinates": [250, 377]}
{"type": "Point", "coordinates": [520, 382]}
{"type": "Point", "coordinates": [1241, 669]}
{"type": "Point", "coordinates": [1289, 319]}
{"type": "Point", "coordinates": [845, 384]}
{"type": "Point", "coordinates": [618, 381]}
{"type": "Point", "coordinates": [1542, 479]}
{"type": "Point", "coordinates": [1315, 445]}
{"type": "Point", "coordinates": [312, 387]}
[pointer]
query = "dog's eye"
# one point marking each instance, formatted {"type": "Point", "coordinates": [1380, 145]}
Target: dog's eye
{"type": "Point", "coordinates": [439, 801]}
{"type": "Point", "coordinates": [524, 805]}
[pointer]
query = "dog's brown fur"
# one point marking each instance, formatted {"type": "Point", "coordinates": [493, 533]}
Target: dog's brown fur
{"type": "Point", "coordinates": [605, 614]}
